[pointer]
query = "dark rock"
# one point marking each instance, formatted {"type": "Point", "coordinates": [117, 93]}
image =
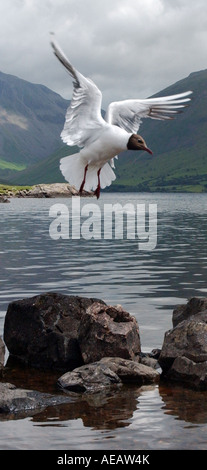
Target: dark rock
{"type": "Point", "coordinates": [184, 353]}
{"type": "Point", "coordinates": [42, 331]}
{"type": "Point", "coordinates": [15, 400]}
{"type": "Point", "coordinates": [189, 372]}
{"type": "Point", "coordinates": [2, 354]}
{"type": "Point", "coordinates": [91, 378]}
{"type": "Point", "coordinates": [193, 307]}
{"type": "Point", "coordinates": [150, 362]}
{"type": "Point", "coordinates": [108, 331]}
{"type": "Point", "coordinates": [150, 359]}
{"type": "Point", "coordinates": [131, 371]}
{"type": "Point", "coordinates": [62, 332]}
{"type": "Point", "coordinates": [155, 353]}
{"type": "Point", "coordinates": [4, 199]}
{"type": "Point", "coordinates": [189, 339]}
{"type": "Point", "coordinates": [107, 372]}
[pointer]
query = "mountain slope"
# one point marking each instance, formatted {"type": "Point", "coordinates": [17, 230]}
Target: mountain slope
{"type": "Point", "coordinates": [31, 119]}
{"type": "Point", "coordinates": [46, 171]}
{"type": "Point", "coordinates": [179, 147]}
{"type": "Point", "coordinates": [179, 161]}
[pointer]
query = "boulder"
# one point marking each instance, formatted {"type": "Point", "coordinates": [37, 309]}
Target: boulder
{"type": "Point", "coordinates": [193, 307]}
{"type": "Point", "coordinates": [108, 331]}
{"type": "Point", "coordinates": [63, 332]}
{"type": "Point", "coordinates": [16, 400]}
{"type": "Point", "coordinates": [189, 339]}
{"type": "Point", "coordinates": [90, 378]}
{"type": "Point", "coordinates": [2, 355]}
{"type": "Point", "coordinates": [183, 356]}
{"type": "Point", "coordinates": [109, 371]}
{"type": "Point", "coordinates": [189, 372]}
{"type": "Point", "coordinates": [150, 362]}
{"type": "Point", "coordinates": [42, 331]}
{"type": "Point", "coordinates": [151, 359]}
{"type": "Point", "coordinates": [131, 371]}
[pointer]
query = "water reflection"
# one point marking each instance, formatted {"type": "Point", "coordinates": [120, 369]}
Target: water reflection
{"type": "Point", "coordinates": [185, 404]}
{"type": "Point", "coordinates": [129, 417]}
{"type": "Point", "coordinates": [113, 410]}
{"type": "Point", "coordinates": [110, 409]}
{"type": "Point", "coordinates": [104, 411]}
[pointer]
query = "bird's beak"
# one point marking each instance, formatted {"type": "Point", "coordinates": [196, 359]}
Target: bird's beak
{"type": "Point", "coordinates": [148, 150]}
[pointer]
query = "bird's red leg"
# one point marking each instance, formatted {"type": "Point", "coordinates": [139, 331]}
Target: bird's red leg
{"type": "Point", "coordinates": [98, 189]}
{"type": "Point", "coordinates": [84, 179]}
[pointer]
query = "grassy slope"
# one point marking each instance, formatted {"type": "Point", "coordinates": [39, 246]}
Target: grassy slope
{"type": "Point", "coordinates": [5, 189]}
{"type": "Point", "coordinates": [46, 171]}
{"type": "Point", "coordinates": [4, 165]}
{"type": "Point", "coordinates": [181, 170]}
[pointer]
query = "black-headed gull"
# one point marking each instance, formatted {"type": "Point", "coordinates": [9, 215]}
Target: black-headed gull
{"type": "Point", "coordinates": [101, 140]}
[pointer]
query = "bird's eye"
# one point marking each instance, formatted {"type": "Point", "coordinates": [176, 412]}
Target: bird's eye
{"type": "Point", "coordinates": [140, 141]}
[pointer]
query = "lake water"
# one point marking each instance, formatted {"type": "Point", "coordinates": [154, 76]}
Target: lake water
{"type": "Point", "coordinates": [148, 284]}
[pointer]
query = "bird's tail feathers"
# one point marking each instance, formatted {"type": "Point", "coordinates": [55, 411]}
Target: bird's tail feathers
{"type": "Point", "coordinates": [107, 175]}
{"type": "Point", "coordinates": [73, 168]}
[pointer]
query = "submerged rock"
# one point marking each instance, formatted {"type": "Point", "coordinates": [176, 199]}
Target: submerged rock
{"type": "Point", "coordinates": [107, 372]}
{"type": "Point", "coordinates": [16, 400]}
{"type": "Point", "coordinates": [108, 331]}
{"type": "Point", "coordinates": [42, 331]}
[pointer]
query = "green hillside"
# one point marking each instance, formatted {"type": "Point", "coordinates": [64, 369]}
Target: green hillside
{"type": "Point", "coordinates": [46, 171]}
{"type": "Point", "coordinates": [179, 161]}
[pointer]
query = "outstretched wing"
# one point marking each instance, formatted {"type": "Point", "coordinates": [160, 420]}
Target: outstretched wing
{"type": "Point", "coordinates": [83, 116]}
{"type": "Point", "coordinates": [128, 114]}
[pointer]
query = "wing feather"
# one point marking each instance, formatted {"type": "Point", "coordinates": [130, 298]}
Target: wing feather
{"type": "Point", "coordinates": [83, 116]}
{"type": "Point", "coordinates": [128, 114]}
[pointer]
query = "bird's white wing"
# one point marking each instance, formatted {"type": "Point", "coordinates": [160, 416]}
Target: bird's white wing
{"type": "Point", "coordinates": [128, 114]}
{"type": "Point", "coordinates": [83, 116]}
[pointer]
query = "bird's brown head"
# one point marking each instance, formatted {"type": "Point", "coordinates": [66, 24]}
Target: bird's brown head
{"type": "Point", "coordinates": [136, 142]}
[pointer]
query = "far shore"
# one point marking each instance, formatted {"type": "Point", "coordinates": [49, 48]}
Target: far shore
{"type": "Point", "coordinates": [40, 191]}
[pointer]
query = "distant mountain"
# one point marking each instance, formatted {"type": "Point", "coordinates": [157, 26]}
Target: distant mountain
{"type": "Point", "coordinates": [179, 161]}
{"type": "Point", "coordinates": [31, 119]}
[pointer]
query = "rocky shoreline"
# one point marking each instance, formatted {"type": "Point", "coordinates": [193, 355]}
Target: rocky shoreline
{"type": "Point", "coordinates": [42, 191]}
{"type": "Point", "coordinates": [93, 348]}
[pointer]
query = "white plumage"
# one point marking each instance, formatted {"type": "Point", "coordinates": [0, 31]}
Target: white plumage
{"type": "Point", "coordinates": [101, 140]}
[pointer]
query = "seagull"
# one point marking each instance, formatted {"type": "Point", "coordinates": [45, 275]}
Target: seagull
{"type": "Point", "coordinates": [102, 139]}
